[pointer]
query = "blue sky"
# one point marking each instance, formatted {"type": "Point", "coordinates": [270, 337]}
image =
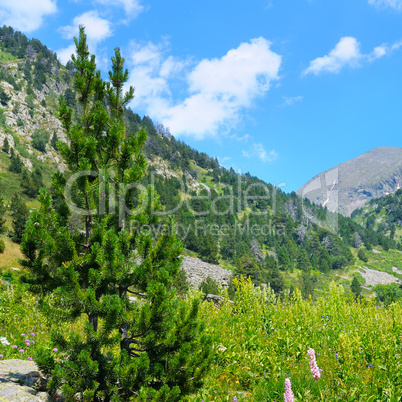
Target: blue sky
{"type": "Point", "coordinates": [283, 89]}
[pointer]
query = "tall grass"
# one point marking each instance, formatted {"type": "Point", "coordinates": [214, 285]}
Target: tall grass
{"type": "Point", "coordinates": [261, 340]}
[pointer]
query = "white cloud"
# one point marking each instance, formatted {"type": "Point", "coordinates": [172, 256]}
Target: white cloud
{"type": "Point", "coordinates": [347, 53]}
{"type": "Point", "coordinates": [291, 100]}
{"type": "Point", "coordinates": [26, 15]}
{"type": "Point", "coordinates": [132, 7]}
{"type": "Point", "coordinates": [395, 4]}
{"type": "Point", "coordinates": [217, 89]}
{"type": "Point", "coordinates": [96, 28]}
{"type": "Point", "coordinates": [258, 151]}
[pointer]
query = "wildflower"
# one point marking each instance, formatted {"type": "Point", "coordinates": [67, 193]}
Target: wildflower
{"type": "Point", "coordinates": [29, 357]}
{"type": "Point", "coordinates": [234, 399]}
{"type": "Point", "coordinates": [55, 350]}
{"type": "Point", "coordinates": [315, 371]}
{"type": "Point", "coordinates": [4, 341]}
{"type": "Point", "coordinates": [288, 391]}
{"type": "Point", "coordinates": [1, 356]}
{"type": "Point", "coordinates": [32, 334]}
{"type": "Point", "coordinates": [15, 346]}
{"type": "Point", "coordinates": [21, 351]}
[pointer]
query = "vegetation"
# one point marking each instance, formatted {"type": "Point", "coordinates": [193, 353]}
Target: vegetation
{"type": "Point", "coordinates": [152, 347]}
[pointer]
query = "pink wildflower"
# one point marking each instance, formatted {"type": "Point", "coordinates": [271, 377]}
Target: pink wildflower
{"type": "Point", "coordinates": [29, 357]}
{"type": "Point", "coordinates": [288, 391]}
{"type": "Point", "coordinates": [315, 371]}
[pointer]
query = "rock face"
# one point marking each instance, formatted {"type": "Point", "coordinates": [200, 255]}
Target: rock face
{"type": "Point", "coordinates": [197, 271]}
{"type": "Point", "coordinates": [349, 185]}
{"type": "Point", "coordinates": [17, 382]}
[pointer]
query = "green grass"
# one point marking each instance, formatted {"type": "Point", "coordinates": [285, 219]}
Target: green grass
{"type": "Point", "coordinates": [6, 57]}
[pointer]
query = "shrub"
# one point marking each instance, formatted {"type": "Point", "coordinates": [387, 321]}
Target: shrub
{"type": "Point", "coordinates": [39, 139]}
{"type": "Point", "coordinates": [2, 246]}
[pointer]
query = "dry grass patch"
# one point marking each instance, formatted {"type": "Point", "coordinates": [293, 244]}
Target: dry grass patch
{"type": "Point", "coordinates": [11, 254]}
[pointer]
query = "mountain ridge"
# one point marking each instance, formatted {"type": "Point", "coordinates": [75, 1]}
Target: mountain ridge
{"type": "Point", "coordinates": [349, 185]}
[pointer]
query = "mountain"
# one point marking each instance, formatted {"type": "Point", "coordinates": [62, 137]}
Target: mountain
{"type": "Point", "coordinates": [351, 184]}
{"type": "Point", "coordinates": [237, 221]}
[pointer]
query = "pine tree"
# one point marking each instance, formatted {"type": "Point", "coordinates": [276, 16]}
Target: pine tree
{"type": "Point", "coordinates": [16, 163]}
{"type": "Point", "coordinates": [208, 249]}
{"type": "Point", "coordinates": [274, 276]}
{"type": "Point", "coordinates": [151, 348]}
{"type": "Point", "coordinates": [356, 288]}
{"type": "Point", "coordinates": [6, 146]}
{"type": "Point", "coordinates": [54, 140]}
{"type": "Point", "coordinates": [19, 215]}
{"type": "Point", "coordinates": [3, 210]}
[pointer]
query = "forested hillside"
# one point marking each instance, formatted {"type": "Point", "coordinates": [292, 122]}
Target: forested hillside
{"type": "Point", "coordinates": [224, 218]}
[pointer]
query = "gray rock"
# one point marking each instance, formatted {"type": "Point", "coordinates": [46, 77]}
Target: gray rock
{"type": "Point", "coordinates": [19, 380]}
{"type": "Point", "coordinates": [197, 271]}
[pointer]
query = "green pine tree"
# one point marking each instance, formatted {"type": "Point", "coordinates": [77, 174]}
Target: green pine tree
{"type": "Point", "coordinates": [152, 347]}
{"type": "Point", "coordinates": [274, 276]}
{"type": "Point", "coordinates": [16, 163]}
{"type": "Point", "coordinates": [3, 210]}
{"type": "Point", "coordinates": [208, 249]}
{"type": "Point", "coordinates": [19, 215]}
{"type": "Point", "coordinates": [6, 146]}
{"type": "Point", "coordinates": [54, 140]}
{"type": "Point", "coordinates": [356, 288]}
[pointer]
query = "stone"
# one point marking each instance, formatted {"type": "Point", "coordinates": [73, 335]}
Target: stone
{"type": "Point", "coordinates": [20, 380]}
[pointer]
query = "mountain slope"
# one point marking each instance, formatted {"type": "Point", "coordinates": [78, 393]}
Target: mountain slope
{"type": "Point", "coordinates": [237, 221]}
{"type": "Point", "coordinates": [351, 184]}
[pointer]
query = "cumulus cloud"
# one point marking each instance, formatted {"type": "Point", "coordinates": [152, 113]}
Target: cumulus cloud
{"type": "Point", "coordinates": [26, 15]}
{"type": "Point", "coordinates": [258, 151]}
{"type": "Point", "coordinates": [96, 28]}
{"type": "Point", "coordinates": [347, 53]}
{"type": "Point", "coordinates": [395, 4]}
{"type": "Point", "coordinates": [217, 89]}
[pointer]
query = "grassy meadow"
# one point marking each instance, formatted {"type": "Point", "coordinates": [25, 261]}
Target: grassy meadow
{"type": "Point", "coordinates": [259, 340]}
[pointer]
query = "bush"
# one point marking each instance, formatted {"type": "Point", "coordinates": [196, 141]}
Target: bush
{"type": "Point", "coordinates": [2, 246]}
{"type": "Point", "coordinates": [209, 286]}
{"type": "Point", "coordinates": [39, 139]}
{"type": "Point", "coordinates": [362, 255]}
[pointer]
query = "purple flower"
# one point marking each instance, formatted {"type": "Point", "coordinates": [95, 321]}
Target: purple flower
{"type": "Point", "coordinates": [22, 334]}
{"type": "Point", "coordinates": [15, 346]}
{"type": "Point", "coordinates": [55, 350]}
{"type": "Point", "coordinates": [289, 397]}
{"type": "Point", "coordinates": [315, 371]}
{"type": "Point", "coordinates": [21, 351]}
{"type": "Point", "coordinates": [32, 334]}
{"type": "Point", "coordinates": [29, 357]}
{"type": "Point", "coordinates": [1, 356]}
{"type": "Point", "coordinates": [234, 399]}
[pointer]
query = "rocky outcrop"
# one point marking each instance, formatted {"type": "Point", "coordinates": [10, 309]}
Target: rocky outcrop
{"type": "Point", "coordinates": [197, 271]}
{"type": "Point", "coordinates": [19, 382]}
{"type": "Point", "coordinates": [351, 184]}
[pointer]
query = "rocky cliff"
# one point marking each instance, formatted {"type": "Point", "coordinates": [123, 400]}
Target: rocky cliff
{"type": "Point", "coordinates": [351, 184]}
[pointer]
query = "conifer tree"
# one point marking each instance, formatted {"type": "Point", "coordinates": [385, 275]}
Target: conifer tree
{"type": "Point", "coordinates": [19, 214]}
{"type": "Point", "coordinates": [6, 146]}
{"type": "Point", "coordinates": [150, 346]}
{"type": "Point", "coordinates": [2, 215]}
